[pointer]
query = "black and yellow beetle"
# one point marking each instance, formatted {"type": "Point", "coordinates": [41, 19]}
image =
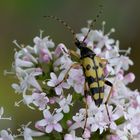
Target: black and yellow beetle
{"type": "Point", "coordinates": [93, 71]}
{"type": "Point", "coordinates": [93, 67]}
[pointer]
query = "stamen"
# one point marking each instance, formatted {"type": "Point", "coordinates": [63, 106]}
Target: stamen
{"type": "Point", "coordinates": [9, 130]}
{"type": "Point", "coordinates": [89, 22]}
{"type": "Point", "coordinates": [41, 33]}
{"type": "Point", "coordinates": [5, 118]}
{"type": "Point", "coordinates": [5, 72]}
{"type": "Point", "coordinates": [111, 31]}
{"type": "Point", "coordinates": [17, 103]}
{"type": "Point", "coordinates": [18, 135]}
{"type": "Point", "coordinates": [103, 26]}
{"type": "Point", "coordinates": [19, 130]}
{"type": "Point", "coordinates": [15, 42]}
{"type": "Point", "coordinates": [30, 107]}
{"type": "Point", "coordinates": [126, 51]}
{"type": "Point", "coordinates": [44, 81]}
{"type": "Point", "coordinates": [24, 126]}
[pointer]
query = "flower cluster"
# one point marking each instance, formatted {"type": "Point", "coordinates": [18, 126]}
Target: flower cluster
{"type": "Point", "coordinates": [47, 82]}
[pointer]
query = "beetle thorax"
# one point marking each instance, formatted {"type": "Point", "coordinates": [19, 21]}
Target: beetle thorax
{"type": "Point", "coordinates": [84, 50]}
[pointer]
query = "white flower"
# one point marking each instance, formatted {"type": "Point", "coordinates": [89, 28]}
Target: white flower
{"type": "Point", "coordinates": [76, 80]}
{"type": "Point", "coordinates": [61, 48]}
{"type": "Point", "coordinates": [133, 120]}
{"type": "Point", "coordinates": [28, 99]}
{"type": "Point", "coordinates": [27, 81]}
{"type": "Point", "coordinates": [34, 64]}
{"type": "Point", "coordinates": [121, 62]}
{"type": "Point", "coordinates": [50, 122]}
{"type": "Point", "coordinates": [64, 62]}
{"type": "Point", "coordinates": [43, 43]}
{"type": "Point", "coordinates": [29, 133]}
{"type": "Point", "coordinates": [5, 136]}
{"type": "Point", "coordinates": [23, 63]}
{"type": "Point", "coordinates": [42, 48]}
{"type": "Point", "coordinates": [98, 123]}
{"type": "Point", "coordinates": [58, 83]}
{"type": "Point", "coordinates": [129, 78]}
{"type": "Point", "coordinates": [79, 119]}
{"type": "Point", "coordinates": [103, 40]}
{"type": "Point", "coordinates": [64, 104]}
{"type": "Point", "coordinates": [17, 88]}
{"type": "Point", "coordinates": [40, 100]}
{"type": "Point", "coordinates": [24, 58]}
{"type": "Point", "coordinates": [98, 37]}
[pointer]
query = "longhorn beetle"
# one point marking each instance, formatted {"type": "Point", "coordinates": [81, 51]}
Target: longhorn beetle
{"type": "Point", "coordinates": [93, 68]}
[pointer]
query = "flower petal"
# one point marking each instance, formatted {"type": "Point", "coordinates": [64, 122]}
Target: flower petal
{"type": "Point", "coordinates": [58, 127]}
{"type": "Point", "coordinates": [58, 116]}
{"type": "Point", "coordinates": [47, 114]}
{"type": "Point", "coordinates": [42, 122]}
{"type": "Point", "coordinates": [49, 128]}
{"type": "Point", "coordinates": [51, 83]}
{"type": "Point", "coordinates": [58, 90]}
{"type": "Point", "coordinates": [53, 76]}
{"type": "Point", "coordinates": [66, 109]}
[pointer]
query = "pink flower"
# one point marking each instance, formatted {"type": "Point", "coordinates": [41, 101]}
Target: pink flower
{"type": "Point", "coordinates": [65, 103]}
{"type": "Point", "coordinates": [43, 42]}
{"type": "Point", "coordinates": [4, 135]}
{"type": "Point", "coordinates": [68, 137]}
{"type": "Point", "coordinates": [87, 134]}
{"type": "Point", "coordinates": [44, 55]}
{"type": "Point", "coordinates": [40, 100]}
{"type": "Point", "coordinates": [61, 48]}
{"type": "Point", "coordinates": [129, 78]}
{"type": "Point", "coordinates": [57, 83]}
{"type": "Point", "coordinates": [50, 122]}
{"type": "Point", "coordinates": [69, 123]}
{"type": "Point", "coordinates": [76, 80]}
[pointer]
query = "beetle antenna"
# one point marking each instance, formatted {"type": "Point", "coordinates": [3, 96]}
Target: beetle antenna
{"type": "Point", "coordinates": [94, 21]}
{"type": "Point", "coordinates": [64, 23]}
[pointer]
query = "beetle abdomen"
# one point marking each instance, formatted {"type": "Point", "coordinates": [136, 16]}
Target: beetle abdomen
{"type": "Point", "coordinates": [95, 77]}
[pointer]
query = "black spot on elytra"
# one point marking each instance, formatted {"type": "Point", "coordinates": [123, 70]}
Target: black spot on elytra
{"type": "Point", "coordinates": [88, 67]}
{"type": "Point", "coordinates": [100, 65]}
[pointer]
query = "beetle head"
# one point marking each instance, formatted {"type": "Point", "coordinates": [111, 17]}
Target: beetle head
{"type": "Point", "coordinates": [80, 44]}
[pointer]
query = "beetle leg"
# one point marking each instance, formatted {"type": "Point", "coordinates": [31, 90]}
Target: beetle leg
{"type": "Point", "coordinates": [85, 94]}
{"type": "Point", "coordinates": [104, 61]}
{"type": "Point", "coordinates": [108, 97]}
{"type": "Point", "coordinates": [71, 52]}
{"type": "Point", "coordinates": [74, 54]}
{"type": "Point", "coordinates": [66, 75]}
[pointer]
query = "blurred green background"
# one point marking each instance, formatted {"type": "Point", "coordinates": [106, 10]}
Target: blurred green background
{"type": "Point", "coordinates": [22, 20]}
